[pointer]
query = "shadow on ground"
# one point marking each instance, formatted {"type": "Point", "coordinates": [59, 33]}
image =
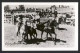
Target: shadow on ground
{"type": "Point", "coordinates": [57, 40]}
{"type": "Point", "coordinates": [37, 41]}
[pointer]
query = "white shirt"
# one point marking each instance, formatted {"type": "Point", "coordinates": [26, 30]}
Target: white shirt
{"type": "Point", "coordinates": [18, 19]}
{"type": "Point", "coordinates": [37, 17]}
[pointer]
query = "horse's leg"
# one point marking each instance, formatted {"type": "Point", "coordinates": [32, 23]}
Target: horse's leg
{"type": "Point", "coordinates": [17, 33]}
{"type": "Point", "coordinates": [31, 36]}
{"type": "Point", "coordinates": [33, 33]}
{"type": "Point", "coordinates": [55, 38]}
{"type": "Point", "coordinates": [19, 29]}
{"type": "Point", "coordinates": [42, 34]}
{"type": "Point", "coordinates": [47, 35]}
{"type": "Point", "coordinates": [20, 38]}
{"type": "Point", "coordinates": [27, 36]}
{"type": "Point", "coordinates": [36, 34]}
{"type": "Point", "coordinates": [51, 35]}
{"type": "Point", "coordinates": [23, 37]}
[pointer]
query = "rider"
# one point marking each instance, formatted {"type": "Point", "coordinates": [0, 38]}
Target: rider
{"type": "Point", "coordinates": [37, 18]}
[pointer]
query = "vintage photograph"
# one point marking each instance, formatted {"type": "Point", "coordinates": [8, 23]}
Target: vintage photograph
{"type": "Point", "coordinates": [40, 26]}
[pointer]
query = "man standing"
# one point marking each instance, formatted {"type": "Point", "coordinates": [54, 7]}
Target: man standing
{"type": "Point", "coordinates": [19, 23]}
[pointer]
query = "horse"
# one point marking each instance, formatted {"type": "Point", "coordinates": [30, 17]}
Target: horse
{"type": "Point", "coordinates": [51, 30]}
{"type": "Point", "coordinates": [26, 30]}
{"type": "Point", "coordinates": [32, 32]}
{"type": "Point", "coordinates": [29, 30]}
{"type": "Point", "coordinates": [48, 30]}
{"type": "Point", "coordinates": [20, 32]}
{"type": "Point", "coordinates": [41, 27]}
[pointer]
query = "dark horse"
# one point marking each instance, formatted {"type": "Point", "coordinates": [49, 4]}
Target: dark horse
{"type": "Point", "coordinates": [49, 30]}
{"type": "Point", "coordinates": [29, 30]}
{"type": "Point", "coordinates": [26, 30]}
{"type": "Point", "coordinates": [41, 27]}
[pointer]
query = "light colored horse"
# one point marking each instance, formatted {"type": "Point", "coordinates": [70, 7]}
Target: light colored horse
{"type": "Point", "coordinates": [20, 36]}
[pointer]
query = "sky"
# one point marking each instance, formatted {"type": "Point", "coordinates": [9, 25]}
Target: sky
{"type": "Point", "coordinates": [31, 6]}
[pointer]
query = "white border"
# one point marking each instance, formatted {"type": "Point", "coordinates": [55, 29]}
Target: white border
{"type": "Point", "coordinates": [74, 48]}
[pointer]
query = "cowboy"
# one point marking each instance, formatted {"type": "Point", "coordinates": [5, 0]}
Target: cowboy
{"type": "Point", "coordinates": [37, 17]}
{"type": "Point", "coordinates": [20, 20]}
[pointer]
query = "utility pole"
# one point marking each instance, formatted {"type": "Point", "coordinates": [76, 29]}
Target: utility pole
{"type": "Point", "coordinates": [25, 10]}
{"type": "Point", "coordinates": [12, 16]}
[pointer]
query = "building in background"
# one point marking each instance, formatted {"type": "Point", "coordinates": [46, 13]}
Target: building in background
{"type": "Point", "coordinates": [55, 11]}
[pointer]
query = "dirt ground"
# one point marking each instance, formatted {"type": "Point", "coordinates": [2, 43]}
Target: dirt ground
{"type": "Point", "coordinates": [65, 38]}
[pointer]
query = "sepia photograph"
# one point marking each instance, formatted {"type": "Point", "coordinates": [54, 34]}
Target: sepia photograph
{"type": "Point", "coordinates": [39, 26]}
